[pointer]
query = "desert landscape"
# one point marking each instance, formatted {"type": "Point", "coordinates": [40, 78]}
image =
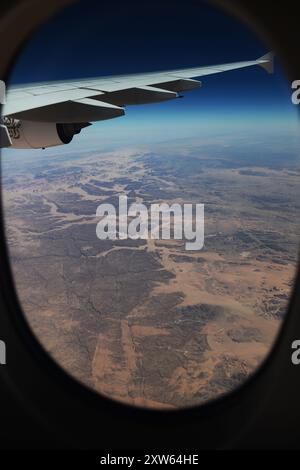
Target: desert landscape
{"type": "Point", "coordinates": [145, 321]}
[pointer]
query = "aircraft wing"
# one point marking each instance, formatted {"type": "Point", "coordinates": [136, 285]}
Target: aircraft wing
{"type": "Point", "coordinates": [96, 99]}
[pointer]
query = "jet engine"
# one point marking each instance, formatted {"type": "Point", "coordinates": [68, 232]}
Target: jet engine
{"type": "Point", "coordinates": [34, 135]}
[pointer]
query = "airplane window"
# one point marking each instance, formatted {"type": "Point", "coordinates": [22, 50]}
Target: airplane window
{"type": "Point", "coordinates": [153, 240]}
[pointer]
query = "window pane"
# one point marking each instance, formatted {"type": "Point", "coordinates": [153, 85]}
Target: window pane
{"type": "Point", "coordinates": [148, 321]}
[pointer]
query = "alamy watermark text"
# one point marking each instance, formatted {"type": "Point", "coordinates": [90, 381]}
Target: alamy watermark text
{"type": "Point", "coordinates": [159, 221]}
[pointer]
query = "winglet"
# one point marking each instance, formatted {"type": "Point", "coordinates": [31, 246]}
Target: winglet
{"type": "Point", "coordinates": [267, 62]}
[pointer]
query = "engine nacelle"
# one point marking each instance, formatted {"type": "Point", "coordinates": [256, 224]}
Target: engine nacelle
{"type": "Point", "coordinates": [34, 135]}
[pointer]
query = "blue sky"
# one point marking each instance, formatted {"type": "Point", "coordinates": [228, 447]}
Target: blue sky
{"type": "Point", "coordinates": [95, 38]}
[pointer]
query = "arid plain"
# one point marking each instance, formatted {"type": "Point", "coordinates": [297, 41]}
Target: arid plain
{"type": "Point", "coordinates": [147, 322]}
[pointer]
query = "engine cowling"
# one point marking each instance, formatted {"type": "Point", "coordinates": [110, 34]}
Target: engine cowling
{"type": "Point", "coordinates": [34, 135]}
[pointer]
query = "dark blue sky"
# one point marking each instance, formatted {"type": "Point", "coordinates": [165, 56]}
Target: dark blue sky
{"type": "Point", "coordinates": [98, 38]}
